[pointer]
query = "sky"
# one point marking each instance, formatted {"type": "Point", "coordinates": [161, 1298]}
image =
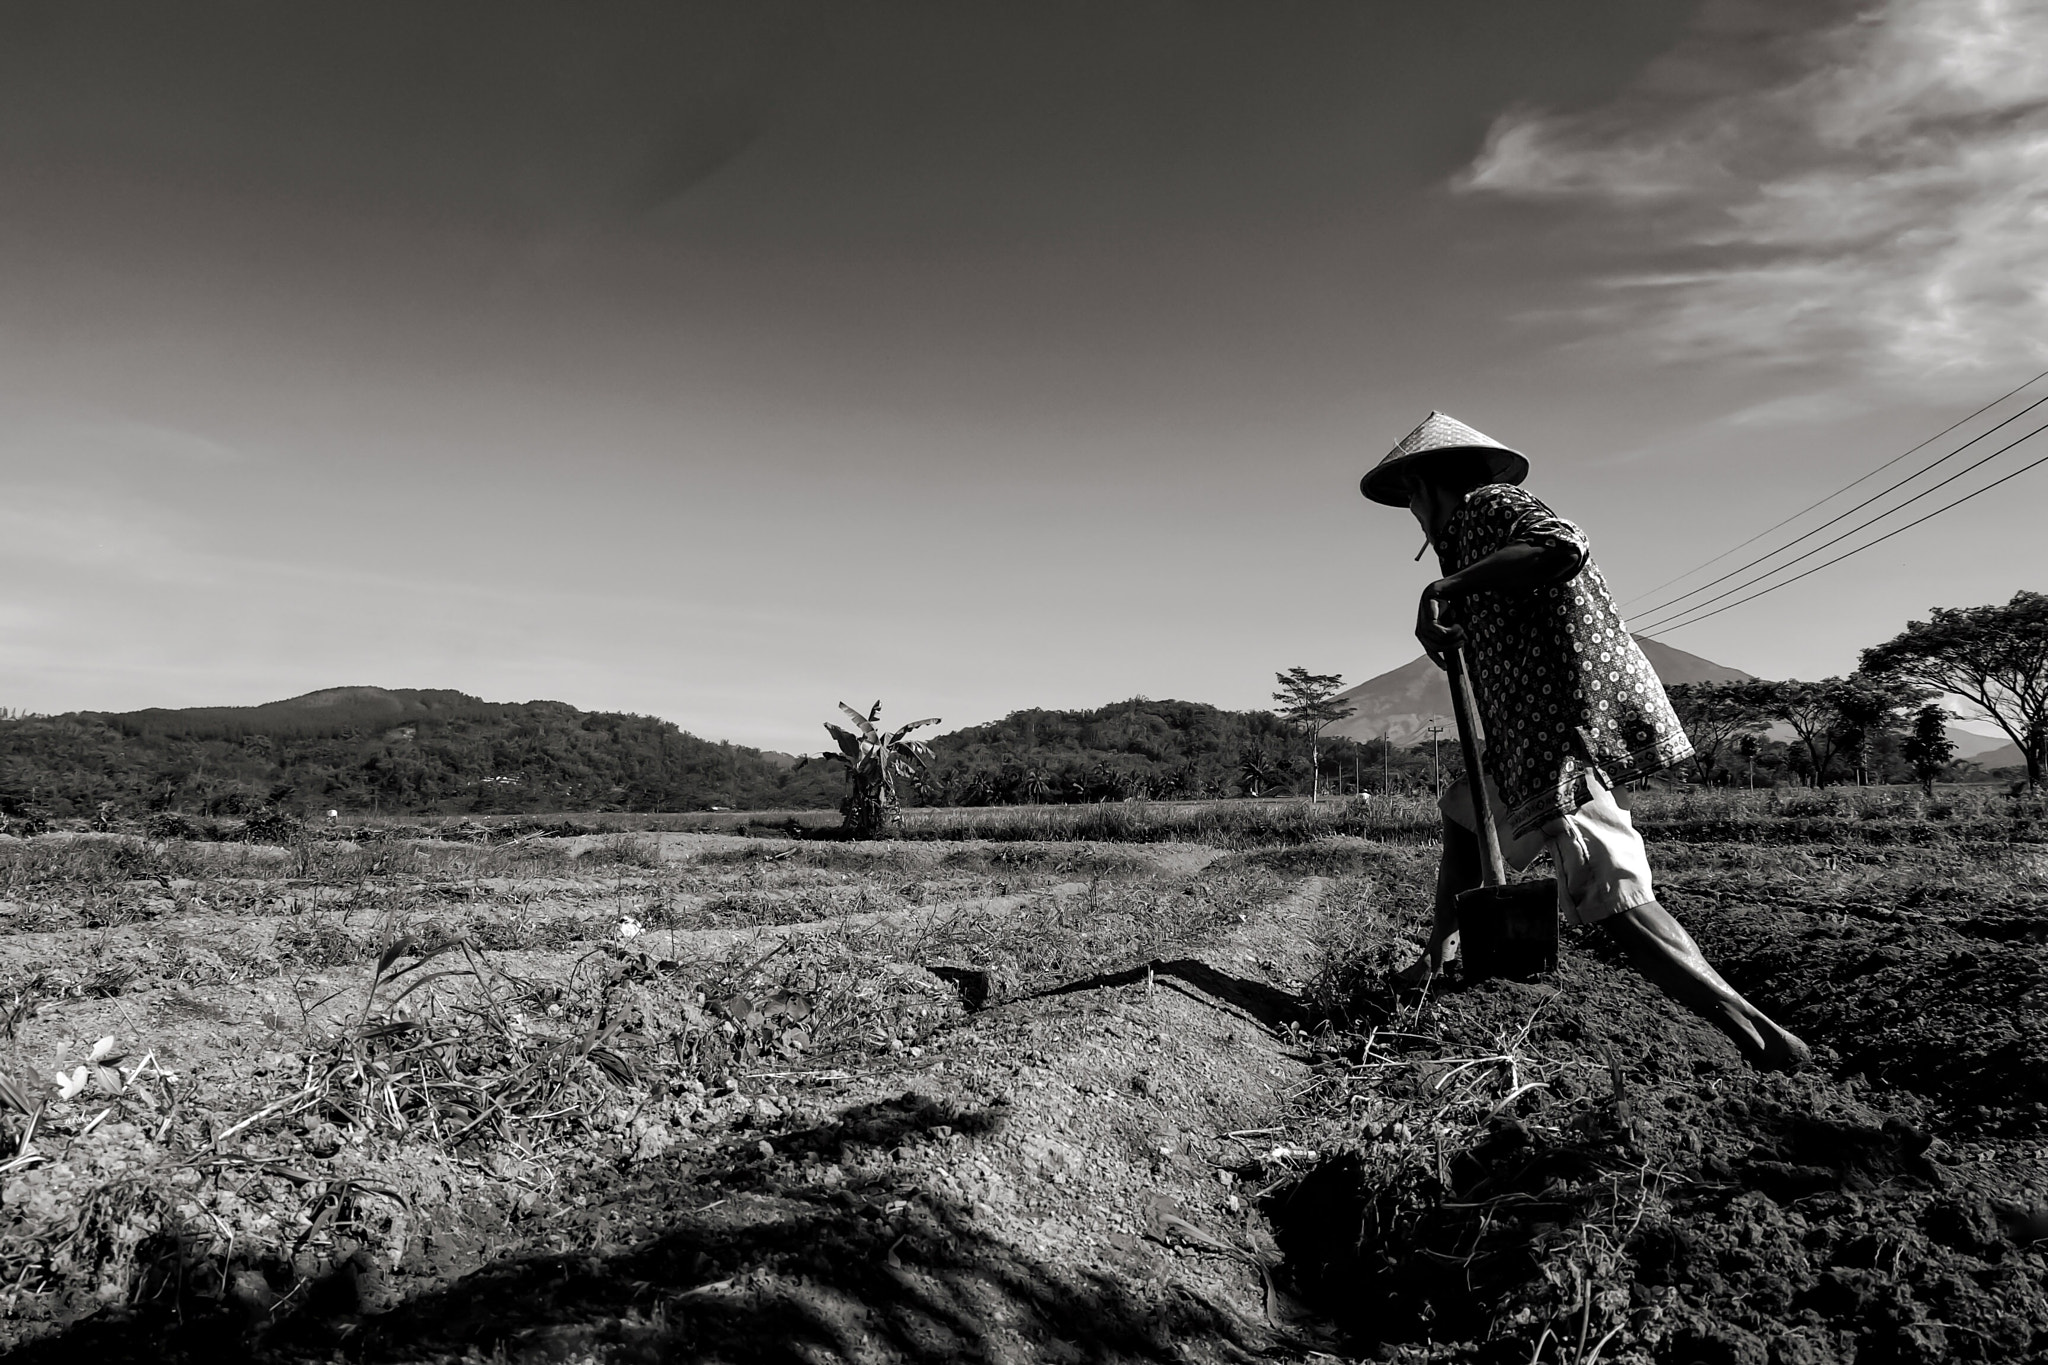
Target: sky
{"type": "Point", "coordinates": [725, 362]}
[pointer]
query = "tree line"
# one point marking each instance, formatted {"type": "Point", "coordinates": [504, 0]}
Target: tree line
{"type": "Point", "coordinates": [422, 751]}
{"type": "Point", "coordinates": [1160, 750]}
{"type": "Point", "coordinates": [397, 751]}
{"type": "Point", "coordinates": [1885, 721]}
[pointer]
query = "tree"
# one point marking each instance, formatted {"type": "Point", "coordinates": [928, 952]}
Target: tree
{"type": "Point", "coordinates": [1837, 718]}
{"type": "Point", "coordinates": [1254, 769]}
{"type": "Point", "coordinates": [1309, 702]}
{"type": "Point", "coordinates": [874, 759]}
{"type": "Point", "coordinates": [1866, 709]}
{"type": "Point", "coordinates": [1034, 786]}
{"type": "Point", "coordinates": [1809, 709]}
{"type": "Point", "coordinates": [1995, 657]}
{"type": "Point", "coordinates": [1748, 746]}
{"type": "Point", "coordinates": [1928, 748]}
{"type": "Point", "coordinates": [1715, 713]}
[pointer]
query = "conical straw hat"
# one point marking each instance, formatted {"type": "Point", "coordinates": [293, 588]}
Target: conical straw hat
{"type": "Point", "coordinates": [1438, 433]}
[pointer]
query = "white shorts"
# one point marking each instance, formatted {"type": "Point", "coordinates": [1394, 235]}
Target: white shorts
{"type": "Point", "coordinates": [1602, 866]}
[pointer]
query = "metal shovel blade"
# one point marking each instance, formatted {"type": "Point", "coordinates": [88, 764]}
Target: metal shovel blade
{"type": "Point", "coordinates": [1510, 930]}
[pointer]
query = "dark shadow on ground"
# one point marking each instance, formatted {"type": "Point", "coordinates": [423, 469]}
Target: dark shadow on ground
{"type": "Point", "coordinates": [1269, 1005]}
{"type": "Point", "coordinates": [748, 1258]}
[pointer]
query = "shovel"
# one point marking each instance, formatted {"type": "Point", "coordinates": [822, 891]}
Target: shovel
{"type": "Point", "coordinates": [1507, 930]}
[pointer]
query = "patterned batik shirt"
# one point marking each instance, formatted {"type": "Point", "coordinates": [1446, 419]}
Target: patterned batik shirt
{"type": "Point", "coordinates": [1561, 686]}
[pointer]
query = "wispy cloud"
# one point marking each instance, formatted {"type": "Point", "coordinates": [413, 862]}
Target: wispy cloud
{"type": "Point", "coordinates": [1869, 185]}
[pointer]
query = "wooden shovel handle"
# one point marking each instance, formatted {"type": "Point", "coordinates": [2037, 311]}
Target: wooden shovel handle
{"type": "Point", "coordinates": [1492, 867]}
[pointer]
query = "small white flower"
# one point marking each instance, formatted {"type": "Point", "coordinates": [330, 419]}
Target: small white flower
{"type": "Point", "coordinates": [69, 1086]}
{"type": "Point", "coordinates": [630, 929]}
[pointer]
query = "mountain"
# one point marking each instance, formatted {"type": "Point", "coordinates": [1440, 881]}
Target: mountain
{"type": "Point", "coordinates": [329, 710]}
{"type": "Point", "coordinates": [1403, 702]}
{"type": "Point", "coordinates": [1128, 748]}
{"type": "Point", "coordinates": [392, 749]}
{"type": "Point", "coordinates": [2005, 754]}
{"type": "Point", "coordinates": [1994, 751]}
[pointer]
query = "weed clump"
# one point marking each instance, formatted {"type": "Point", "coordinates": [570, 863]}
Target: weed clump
{"type": "Point", "coordinates": [170, 824]}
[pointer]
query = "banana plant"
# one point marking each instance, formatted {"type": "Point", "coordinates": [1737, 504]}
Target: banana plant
{"type": "Point", "coordinates": [874, 759]}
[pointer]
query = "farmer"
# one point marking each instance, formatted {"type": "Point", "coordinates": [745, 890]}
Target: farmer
{"type": "Point", "coordinates": [1571, 711]}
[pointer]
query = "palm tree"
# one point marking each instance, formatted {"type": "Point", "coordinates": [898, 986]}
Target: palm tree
{"type": "Point", "coordinates": [1034, 787]}
{"type": "Point", "coordinates": [874, 759]}
{"type": "Point", "coordinates": [1254, 768]}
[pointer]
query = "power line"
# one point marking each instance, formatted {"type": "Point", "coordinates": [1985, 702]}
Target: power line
{"type": "Point", "coordinates": [1680, 625]}
{"type": "Point", "coordinates": [1667, 622]}
{"type": "Point", "coordinates": [1651, 592]}
{"type": "Point", "coordinates": [1858, 550]}
{"type": "Point", "coordinates": [1771, 554]}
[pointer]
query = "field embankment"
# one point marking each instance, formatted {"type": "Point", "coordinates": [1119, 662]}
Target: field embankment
{"type": "Point", "coordinates": [1790, 816]}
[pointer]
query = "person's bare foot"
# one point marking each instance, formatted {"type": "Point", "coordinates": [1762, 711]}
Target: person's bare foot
{"type": "Point", "coordinates": [1764, 1044]}
{"type": "Point", "coordinates": [1783, 1049]}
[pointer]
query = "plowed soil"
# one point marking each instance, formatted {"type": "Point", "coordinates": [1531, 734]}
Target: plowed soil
{"type": "Point", "coordinates": [1185, 1119]}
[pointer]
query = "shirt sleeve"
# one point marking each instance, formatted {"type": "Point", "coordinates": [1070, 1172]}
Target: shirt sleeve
{"type": "Point", "coordinates": [1514, 516]}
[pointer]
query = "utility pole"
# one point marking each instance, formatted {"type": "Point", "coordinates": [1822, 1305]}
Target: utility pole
{"type": "Point", "coordinates": [1436, 770]}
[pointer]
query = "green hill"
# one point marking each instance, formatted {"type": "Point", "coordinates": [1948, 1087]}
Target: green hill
{"type": "Point", "coordinates": [423, 751]}
{"type": "Point", "coordinates": [1134, 748]}
{"type": "Point", "coordinates": [396, 750]}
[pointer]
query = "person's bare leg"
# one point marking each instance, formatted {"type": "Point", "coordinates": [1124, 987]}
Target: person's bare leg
{"type": "Point", "coordinates": [1457, 870]}
{"type": "Point", "coordinates": [1659, 947]}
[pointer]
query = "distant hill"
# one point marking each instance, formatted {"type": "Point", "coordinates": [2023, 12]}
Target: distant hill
{"type": "Point", "coordinates": [400, 750]}
{"type": "Point", "coordinates": [1403, 702]}
{"type": "Point", "coordinates": [1138, 747]}
{"type": "Point", "coordinates": [426, 751]}
{"type": "Point", "coordinates": [2005, 754]}
{"type": "Point", "coordinates": [1994, 751]}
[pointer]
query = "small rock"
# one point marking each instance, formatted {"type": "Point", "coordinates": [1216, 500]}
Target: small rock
{"type": "Point", "coordinates": [1967, 1225]}
{"type": "Point", "coordinates": [653, 1140]}
{"type": "Point", "coordinates": [2024, 1223]}
{"type": "Point", "coordinates": [323, 1139]}
{"type": "Point", "coordinates": [1797, 1348]}
{"type": "Point", "coordinates": [252, 1294]}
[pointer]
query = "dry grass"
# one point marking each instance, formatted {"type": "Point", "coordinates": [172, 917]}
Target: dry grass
{"type": "Point", "coordinates": [432, 1063]}
{"type": "Point", "coordinates": [1834, 814]}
